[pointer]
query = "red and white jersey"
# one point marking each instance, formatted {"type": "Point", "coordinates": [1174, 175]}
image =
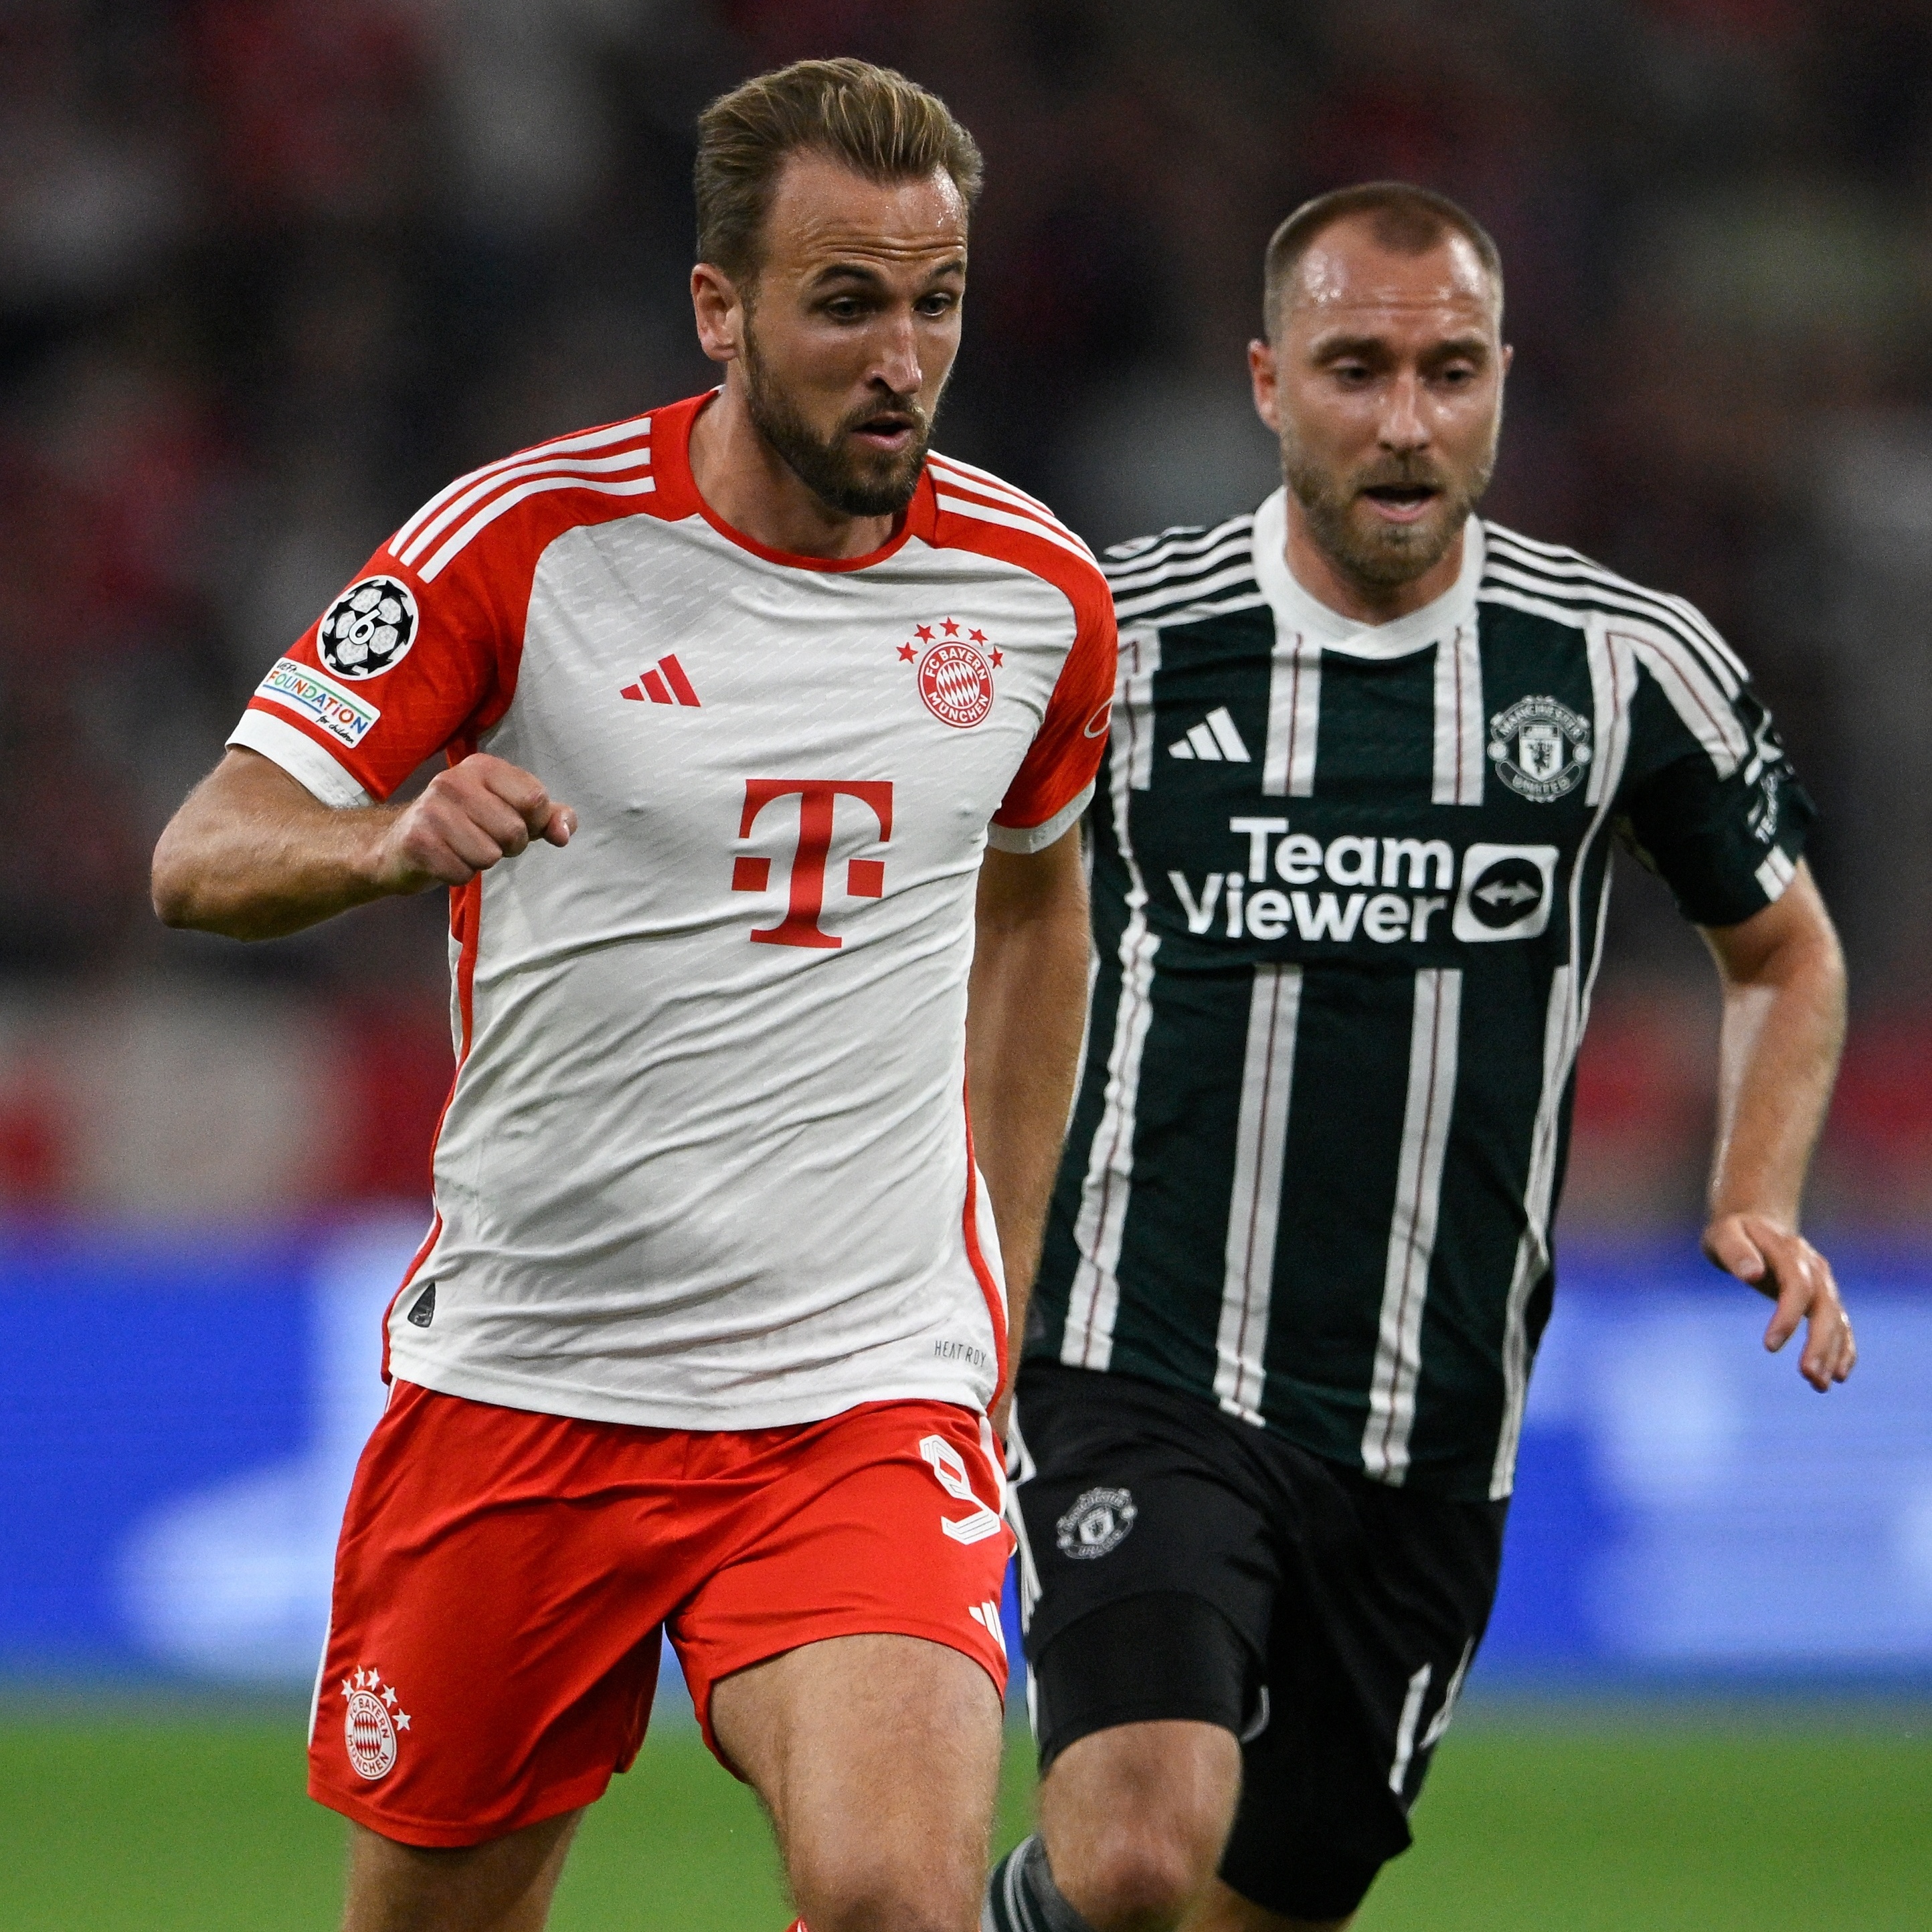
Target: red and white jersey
{"type": "Point", "coordinates": [706, 1162]}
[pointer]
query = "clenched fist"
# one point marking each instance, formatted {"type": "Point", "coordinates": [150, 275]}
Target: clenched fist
{"type": "Point", "coordinates": [476, 813]}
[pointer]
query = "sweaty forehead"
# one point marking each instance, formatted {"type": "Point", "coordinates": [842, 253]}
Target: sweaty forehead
{"type": "Point", "coordinates": [1346, 272]}
{"type": "Point", "coordinates": [822, 212]}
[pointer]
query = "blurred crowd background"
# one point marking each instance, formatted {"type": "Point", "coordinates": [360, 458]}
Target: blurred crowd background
{"type": "Point", "coordinates": [272, 270]}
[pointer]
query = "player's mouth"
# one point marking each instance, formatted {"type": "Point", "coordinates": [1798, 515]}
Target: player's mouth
{"type": "Point", "coordinates": [890, 432]}
{"type": "Point", "coordinates": [1401, 502]}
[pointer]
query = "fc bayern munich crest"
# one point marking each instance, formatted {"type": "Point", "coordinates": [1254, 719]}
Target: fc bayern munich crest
{"type": "Point", "coordinates": [371, 1723]}
{"type": "Point", "coordinates": [368, 629]}
{"type": "Point", "coordinates": [954, 673]}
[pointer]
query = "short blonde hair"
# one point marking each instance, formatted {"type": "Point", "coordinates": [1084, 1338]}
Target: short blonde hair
{"type": "Point", "coordinates": [1404, 218]}
{"type": "Point", "coordinates": [877, 122]}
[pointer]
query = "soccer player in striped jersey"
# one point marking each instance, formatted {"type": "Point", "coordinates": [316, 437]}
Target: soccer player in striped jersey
{"type": "Point", "coordinates": [709, 1334]}
{"type": "Point", "coordinates": [1349, 868]}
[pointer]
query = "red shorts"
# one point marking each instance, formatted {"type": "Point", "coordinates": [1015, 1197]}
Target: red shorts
{"type": "Point", "coordinates": [503, 1578]}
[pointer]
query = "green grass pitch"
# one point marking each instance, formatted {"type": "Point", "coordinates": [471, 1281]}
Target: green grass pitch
{"type": "Point", "coordinates": [1644, 1822]}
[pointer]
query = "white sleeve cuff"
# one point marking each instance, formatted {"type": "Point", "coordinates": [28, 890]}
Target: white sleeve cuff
{"type": "Point", "coordinates": [1026, 838]}
{"type": "Point", "coordinates": [300, 756]}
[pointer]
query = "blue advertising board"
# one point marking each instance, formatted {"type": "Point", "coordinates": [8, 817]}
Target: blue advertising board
{"type": "Point", "coordinates": [179, 1418]}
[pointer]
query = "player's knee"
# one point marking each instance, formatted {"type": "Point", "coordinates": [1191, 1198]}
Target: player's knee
{"type": "Point", "coordinates": [874, 1894]}
{"type": "Point", "coordinates": [1140, 1875]}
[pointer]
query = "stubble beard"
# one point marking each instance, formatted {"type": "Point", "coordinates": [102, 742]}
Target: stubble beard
{"type": "Point", "coordinates": [1385, 556]}
{"type": "Point", "coordinates": [854, 483]}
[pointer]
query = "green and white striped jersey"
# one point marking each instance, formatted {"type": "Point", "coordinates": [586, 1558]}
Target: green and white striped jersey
{"type": "Point", "coordinates": [1348, 896]}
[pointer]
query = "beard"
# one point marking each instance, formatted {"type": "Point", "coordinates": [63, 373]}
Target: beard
{"type": "Point", "coordinates": [1384, 556]}
{"type": "Point", "coordinates": [854, 481]}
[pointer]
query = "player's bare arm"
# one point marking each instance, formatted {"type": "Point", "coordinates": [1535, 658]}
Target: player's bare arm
{"type": "Point", "coordinates": [1025, 1007]}
{"type": "Point", "coordinates": [253, 854]}
{"type": "Point", "coordinates": [1783, 980]}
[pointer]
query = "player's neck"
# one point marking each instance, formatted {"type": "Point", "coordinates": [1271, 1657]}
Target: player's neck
{"type": "Point", "coordinates": [749, 485]}
{"type": "Point", "coordinates": [1328, 583]}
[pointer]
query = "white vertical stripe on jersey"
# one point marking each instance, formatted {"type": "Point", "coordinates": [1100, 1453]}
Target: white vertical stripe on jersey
{"type": "Point", "coordinates": [1433, 1039]}
{"type": "Point", "coordinates": [1613, 685]}
{"type": "Point", "coordinates": [1140, 658]}
{"type": "Point", "coordinates": [1532, 1247]}
{"type": "Point", "coordinates": [1254, 1205]}
{"type": "Point", "coordinates": [510, 499]}
{"type": "Point", "coordinates": [1577, 577]}
{"type": "Point", "coordinates": [556, 450]}
{"type": "Point", "coordinates": [1295, 715]}
{"type": "Point", "coordinates": [1093, 1301]}
{"type": "Point", "coordinates": [1681, 673]}
{"type": "Point", "coordinates": [1706, 712]}
{"type": "Point", "coordinates": [1459, 734]}
{"type": "Point", "coordinates": [628, 461]}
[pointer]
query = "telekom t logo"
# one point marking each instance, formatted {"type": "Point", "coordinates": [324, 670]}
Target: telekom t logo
{"type": "Point", "coordinates": [865, 878]}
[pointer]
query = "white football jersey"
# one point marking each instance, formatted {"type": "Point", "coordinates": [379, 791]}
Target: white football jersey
{"type": "Point", "coordinates": [706, 1163]}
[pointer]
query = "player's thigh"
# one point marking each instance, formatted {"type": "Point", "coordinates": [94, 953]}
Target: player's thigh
{"type": "Point", "coordinates": [878, 1757]}
{"type": "Point", "coordinates": [1374, 1632]}
{"type": "Point", "coordinates": [849, 1661]}
{"type": "Point", "coordinates": [505, 1885]}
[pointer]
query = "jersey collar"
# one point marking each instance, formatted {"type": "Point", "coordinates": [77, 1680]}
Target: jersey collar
{"type": "Point", "coordinates": [678, 497]}
{"type": "Point", "coordinates": [1296, 611]}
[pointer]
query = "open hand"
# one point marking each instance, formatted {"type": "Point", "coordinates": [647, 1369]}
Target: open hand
{"type": "Point", "coordinates": [476, 813]}
{"type": "Point", "coordinates": [1779, 1262]}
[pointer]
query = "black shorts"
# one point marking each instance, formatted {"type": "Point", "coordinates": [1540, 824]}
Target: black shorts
{"type": "Point", "coordinates": [1188, 1565]}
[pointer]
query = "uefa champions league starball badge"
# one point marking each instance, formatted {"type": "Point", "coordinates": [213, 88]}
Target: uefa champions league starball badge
{"type": "Point", "coordinates": [368, 629]}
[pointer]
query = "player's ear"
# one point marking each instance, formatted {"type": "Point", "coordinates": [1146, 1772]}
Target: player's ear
{"type": "Point", "coordinates": [719, 312]}
{"type": "Point", "coordinates": [1261, 376]}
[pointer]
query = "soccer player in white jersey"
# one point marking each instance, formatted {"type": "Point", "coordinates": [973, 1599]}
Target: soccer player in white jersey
{"type": "Point", "coordinates": [710, 1332]}
{"type": "Point", "coordinates": [1348, 880]}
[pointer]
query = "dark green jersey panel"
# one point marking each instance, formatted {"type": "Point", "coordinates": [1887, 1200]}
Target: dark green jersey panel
{"type": "Point", "coordinates": [1348, 899]}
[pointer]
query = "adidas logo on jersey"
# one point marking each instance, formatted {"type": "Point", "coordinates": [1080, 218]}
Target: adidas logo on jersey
{"type": "Point", "coordinates": [1214, 739]}
{"type": "Point", "coordinates": [664, 683]}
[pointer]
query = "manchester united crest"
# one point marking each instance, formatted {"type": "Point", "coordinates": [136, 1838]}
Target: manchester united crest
{"type": "Point", "coordinates": [1540, 748]}
{"type": "Point", "coordinates": [1096, 1524]}
{"type": "Point", "coordinates": [953, 667]}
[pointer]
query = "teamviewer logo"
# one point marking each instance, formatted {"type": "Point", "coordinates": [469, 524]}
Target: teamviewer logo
{"type": "Point", "coordinates": [1505, 893]}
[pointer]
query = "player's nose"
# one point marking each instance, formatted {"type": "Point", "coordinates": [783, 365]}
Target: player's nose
{"type": "Point", "coordinates": [896, 361]}
{"type": "Point", "coordinates": [1404, 425]}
